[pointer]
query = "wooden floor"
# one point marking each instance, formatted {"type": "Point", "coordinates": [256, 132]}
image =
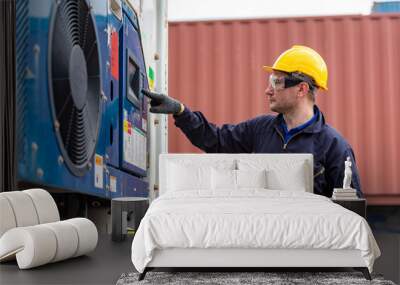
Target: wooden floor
{"type": "Point", "coordinates": [103, 266]}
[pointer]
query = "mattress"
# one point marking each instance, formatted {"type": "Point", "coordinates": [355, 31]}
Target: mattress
{"type": "Point", "coordinates": [251, 219]}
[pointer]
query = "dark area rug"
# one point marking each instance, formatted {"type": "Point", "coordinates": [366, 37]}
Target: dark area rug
{"type": "Point", "coordinates": [226, 278]}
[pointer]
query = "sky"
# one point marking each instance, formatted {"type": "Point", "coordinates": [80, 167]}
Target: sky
{"type": "Point", "coordinates": [192, 10]}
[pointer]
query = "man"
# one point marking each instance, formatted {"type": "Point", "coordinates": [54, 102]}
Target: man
{"type": "Point", "coordinates": [298, 128]}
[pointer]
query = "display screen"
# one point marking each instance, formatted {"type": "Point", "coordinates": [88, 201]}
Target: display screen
{"type": "Point", "coordinates": [133, 82]}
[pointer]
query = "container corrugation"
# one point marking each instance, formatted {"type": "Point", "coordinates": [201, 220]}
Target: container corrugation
{"type": "Point", "coordinates": [386, 7]}
{"type": "Point", "coordinates": [215, 67]}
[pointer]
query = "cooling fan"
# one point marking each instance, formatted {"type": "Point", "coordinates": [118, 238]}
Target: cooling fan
{"type": "Point", "coordinates": [75, 82]}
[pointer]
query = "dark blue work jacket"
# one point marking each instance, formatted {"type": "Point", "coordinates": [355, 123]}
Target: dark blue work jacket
{"type": "Point", "coordinates": [264, 135]}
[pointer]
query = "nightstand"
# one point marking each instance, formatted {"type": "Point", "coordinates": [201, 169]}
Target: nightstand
{"type": "Point", "coordinates": [358, 206]}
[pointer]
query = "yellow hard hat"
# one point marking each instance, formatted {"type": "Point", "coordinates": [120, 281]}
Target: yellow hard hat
{"type": "Point", "coordinates": [304, 60]}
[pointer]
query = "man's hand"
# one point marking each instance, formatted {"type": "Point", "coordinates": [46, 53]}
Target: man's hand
{"type": "Point", "coordinates": [163, 104]}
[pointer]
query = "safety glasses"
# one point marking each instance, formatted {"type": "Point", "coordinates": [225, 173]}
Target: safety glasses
{"type": "Point", "coordinates": [279, 83]}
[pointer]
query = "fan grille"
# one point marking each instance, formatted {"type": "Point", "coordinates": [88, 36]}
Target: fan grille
{"type": "Point", "coordinates": [75, 83]}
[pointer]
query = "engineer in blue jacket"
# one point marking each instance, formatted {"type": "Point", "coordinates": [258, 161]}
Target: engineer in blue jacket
{"type": "Point", "coordinates": [299, 127]}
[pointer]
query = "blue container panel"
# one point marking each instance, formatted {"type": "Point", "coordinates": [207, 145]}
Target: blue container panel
{"type": "Point", "coordinates": [134, 112]}
{"type": "Point", "coordinates": [121, 184]}
{"type": "Point", "coordinates": [40, 160]}
{"type": "Point", "coordinates": [112, 114]}
{"type": "Point", "coordinates": [386, 7]}
{"type": "Point", "coordinates": [129, 12]}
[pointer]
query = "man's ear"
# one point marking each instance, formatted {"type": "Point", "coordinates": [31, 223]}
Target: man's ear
{"type": "Point", "coordinates": [303, 89]}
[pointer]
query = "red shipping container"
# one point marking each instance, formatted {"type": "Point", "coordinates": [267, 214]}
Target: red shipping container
{"type": "Point", "coordinates": [215, 67]}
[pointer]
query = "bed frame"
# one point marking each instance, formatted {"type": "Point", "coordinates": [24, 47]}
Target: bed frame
{"type": "Point", "coordinates": [245, 259]}
{"type": "Point", "coordinates": [242, 259]}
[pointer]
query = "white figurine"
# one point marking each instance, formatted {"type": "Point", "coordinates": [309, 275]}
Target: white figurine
{"type": "Point", "coordinates": [347, 174]}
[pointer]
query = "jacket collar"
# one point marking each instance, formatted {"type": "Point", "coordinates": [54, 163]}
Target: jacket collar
{"type": "Point", "coordinates": [316, 127]}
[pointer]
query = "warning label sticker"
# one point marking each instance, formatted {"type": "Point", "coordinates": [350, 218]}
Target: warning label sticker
{"type": "Point", "coordinates": [113, 183]}
{"type": "Point", "coordinates": [135, 146]}
{"type": "Point", "coordinates": [98, 171]}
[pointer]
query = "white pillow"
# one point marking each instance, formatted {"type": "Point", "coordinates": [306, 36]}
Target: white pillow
{"type": "Point", "coordinates": [281, 174]}
{"type": "Point", "coordinates": [251, 178]}
{"type": "Point", "coordinates": [188, 177]}
{"type": "Point", "coordinates": [292, 179]}
{"type": "Point", "coordinates": [223, 179]}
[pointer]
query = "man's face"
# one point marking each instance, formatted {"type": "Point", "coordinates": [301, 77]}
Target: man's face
{"type": "Point", "coordinates": [281, 99]}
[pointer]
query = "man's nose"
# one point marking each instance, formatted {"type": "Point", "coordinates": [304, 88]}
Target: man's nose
{"type": "Point", "coordinates": [269, 91]}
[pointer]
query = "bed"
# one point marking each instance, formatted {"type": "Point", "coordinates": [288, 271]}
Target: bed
{"type": "Point", "coordinates": [247, 210]}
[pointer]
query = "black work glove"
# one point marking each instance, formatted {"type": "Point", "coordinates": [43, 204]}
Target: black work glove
{"type": "Point", "coordinates": [163, 104]}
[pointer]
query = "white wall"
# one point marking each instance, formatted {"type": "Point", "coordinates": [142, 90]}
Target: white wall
{"type": "Point", "coordinates": [191, 10]}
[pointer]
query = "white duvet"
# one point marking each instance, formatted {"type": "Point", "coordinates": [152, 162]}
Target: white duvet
{"type": "Point", "coordinates": [252, 218]}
